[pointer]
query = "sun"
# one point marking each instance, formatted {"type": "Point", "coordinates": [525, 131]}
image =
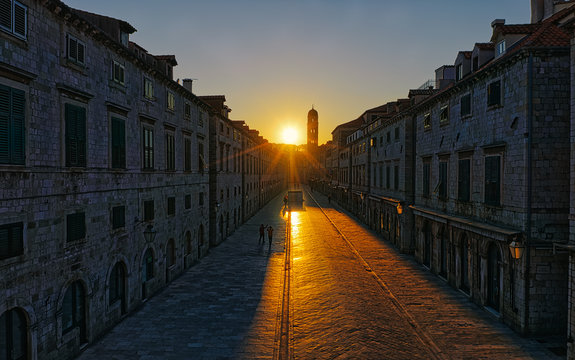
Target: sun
{"type": "Point", "coordinates": [290, 135]}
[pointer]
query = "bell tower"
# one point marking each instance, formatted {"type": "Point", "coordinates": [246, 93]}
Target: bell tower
{"type": "Point", "coordinates": [312, 127]}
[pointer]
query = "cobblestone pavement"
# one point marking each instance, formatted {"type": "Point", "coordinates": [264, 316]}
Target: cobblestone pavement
{"type": "Point", "coordinates": [367, 301]}
{"type": "Point", "coordinates": [224, 307]}
{"type": "Point", "coordinates": [352, 297]}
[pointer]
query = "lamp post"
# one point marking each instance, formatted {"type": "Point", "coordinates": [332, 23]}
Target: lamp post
{"type": "Point", "coordinates": [149, 233]}
{"type": "Point", "coordinates": [516, 249]}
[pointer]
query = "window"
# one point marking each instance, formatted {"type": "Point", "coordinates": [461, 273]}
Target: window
{"type": "Point", "coordinates": [12, 126]}
{"type": "Point", "coordinates": [118, 143]}
{"type": "Point", "coordinates": [388, 136]}
{"type": "Point", "coordinates": [75, 227]}
{"type": "Point", "coordinates": [73, 310]}
{"type": "Point", "coordinates": [187, 111]}
{"type": "Point", "coordinates": [171, 206]}
{"type": "Point", "coordinates": [459, 72]}
{"type": "Point", "coordinates": [75, 50]}
{"type": "Point", "coordinates": [387, 177]}
{"type": "Point", "coordinates": [11, 240]}
{"type": "Point", "coordinates": [14, 18]}
{"type": "Point", "coordinates": [13, 335]}
{"type": "Point", "coordinates": [75, 135]}
{"type": "Point", "coordinates": [148, 89]}
{"type": "Point", "coordinates": [442, 186]}
{"type": "Point", "coordinates": [463, 180]}
{"type": "Point", "coordinates": [396, 177]}
{"type": "Point", "coordinates": [201, 199]}
{"type": "Point", "coordinates": [148, 210]}
{"type": "Point", "coordinates": [118, 73]}
{"type": "Point", "coordinates": [494, 93]}
{"type": "Point", "coordinates": [493, 180]}
{"type": "Point", "coordinates": [117, 283]}
{"type": "Point", "coordinates": [171, 101]}
{"type": "Point", "coordinates": [427, 121]}
{"type": "Point", "coordinates": [466, 105]}
{"type": "Point", "coordinates": [187, 154]}
{"type": "Point", "coordinates": [170, 152]}
{"type": "Point", "coordinates": [148, 148]}
{"type": "Point", "coordinates": [201, 119]}
{"type": "Point", "coordinates": [475, 63]}
{"type": "Point", "coordinates": [188, 202]}
{"type": "Point", "coordinates": [426, 178]}
{"type": "Point", "coordinates": [201, 162]}
{"type": "Point", "coordinates": [396, 134]}
{"type": "Point", "coordinates": [501, 48]}
{"type": "Point", "coordinates": [118, 217]}
{"type": "Point", "coordinates": [444, 114]}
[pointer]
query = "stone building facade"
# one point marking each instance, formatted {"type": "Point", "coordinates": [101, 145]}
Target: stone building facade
{"type": "Point", "coordinates": [105, 180]}
{"type": "Point", "coordinates": [482, 165]}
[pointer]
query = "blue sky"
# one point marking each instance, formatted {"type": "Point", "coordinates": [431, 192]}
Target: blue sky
{"type": "Point", "coordinates": [274, 59]}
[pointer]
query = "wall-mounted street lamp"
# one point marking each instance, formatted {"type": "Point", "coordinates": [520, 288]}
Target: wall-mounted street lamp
{"type": "Point", "coordinates": [516, 249]}
{"type": "Point", "coordinates": [149, 233]}
{"type": "Point", "coordinates": [399, 209]}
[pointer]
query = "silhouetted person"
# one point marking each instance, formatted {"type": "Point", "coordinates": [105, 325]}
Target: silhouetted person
{"type": "Point", "coordinates": [262, 234]}
{"type": "Point", "coordinates": [270, 234]}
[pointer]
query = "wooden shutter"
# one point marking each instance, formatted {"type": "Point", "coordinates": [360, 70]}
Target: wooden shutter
{"type": "Point", "coordinates": [75, 135]}
{"type": "Point", "coordinates": [118, 143]}
{"type": "Point", "coordinates": [6, 14]}
{"type": "Point", "coordinates": [4, 125]}
{"type": "Point", "coordinates": [20, 18]}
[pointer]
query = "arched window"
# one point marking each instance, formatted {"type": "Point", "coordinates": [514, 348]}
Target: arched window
{"type": "Point", "coordinates": [74, 310]}
{"type": "Point", "coordinates": [13, 335]}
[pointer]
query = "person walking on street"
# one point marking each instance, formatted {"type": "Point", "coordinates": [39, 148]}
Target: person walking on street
{"type": "Point", "coordinates": [262, 234]}
{"type": "Point", "coordinates": [270, 234]}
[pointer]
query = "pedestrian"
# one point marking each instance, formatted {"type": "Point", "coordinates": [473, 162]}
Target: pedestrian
{"type": "Point", "coordinates": [270, 234]}
{"type": "Point", "coordinates": [262, 234]}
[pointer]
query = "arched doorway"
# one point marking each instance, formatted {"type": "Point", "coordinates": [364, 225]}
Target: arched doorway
{"type": "Point", "coordinates": [13, 335]}
{"type": "Point", "coordinates": [74, 310]}
{"type": "Point", "coordinates": [170, 258]}
{"type": "Point", "coordinates": [200, 240]}
{"type": "Point", "coordinates": [427, 244]}
{"type": "Point", "coordinates": [443, 253]}
{"type": "Point", "coordinates": [493, 276]}
{"type": "Point", "coordinates": [464, 263]}
{"type": "Point", "coordinates": [147, 271]}
{"type": "Point", "coordinates": [117, 285]}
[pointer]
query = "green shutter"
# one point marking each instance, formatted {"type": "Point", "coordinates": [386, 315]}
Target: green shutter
{"type": "Point", "coordinates": [4, 125]}
{"type": "Point", "coordinates": [18, 124]}
{"type": "Point", "coordinates": [75, 135]}
{"type": "Point", "coordinates": [118, 143]}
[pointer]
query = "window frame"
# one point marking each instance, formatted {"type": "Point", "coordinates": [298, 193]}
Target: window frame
{"type": "Point", "coordinates": [14, 246]}
{"type": "Point", "coordinates": [76, 142]}
{"type": "Point", "coordinates": [465, 111]}
{"type": "Point", "coordinates": [427, 121]}
{"type": "Point", "coordinates": [464, 180]}
{"type": "Point", "coordinates": [170, 100]}
{"type": "Point", "coordinates": [79, 45]}
{"type": "Point", "coordinates": [442, 186]}
{"type": "Point", "coordinates": [117, 143]}
{"type": "Point", "coordinates": [492, 189]}
{"type": "Point", "coordinates": [12, 27]}
{"type": "Point", "coordinates": [147, 148]}
{"type": "Point", "coordinates": [444, 114]}
{"type": "Point", "coordinates": [118, 73]}
{"type": "Point", "coordinates": [76, 227]}
{"type": "Point", "coordinates": [494, 99]}
{"type": "Point", "coordinates": [118, 217]}
{"type": "Point", "coordinates": [170, 151]}
{"type": "Point", "coordinates": [13, 104]}
{"type": "Point", "coordinates": [148, 88]}
{"type": "Point", "coordinates": [426, 178]}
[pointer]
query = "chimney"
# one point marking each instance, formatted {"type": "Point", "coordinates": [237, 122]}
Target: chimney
{"type": "Point", "coordinates": [541, 9]}
{"type": "Point", "coordinates": [496, 22]}
{"type": "Point", "coordinates": [188, 84]}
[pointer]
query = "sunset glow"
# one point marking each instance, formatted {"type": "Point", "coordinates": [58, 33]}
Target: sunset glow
{"type": "Point", "coordinates": [290, 135]}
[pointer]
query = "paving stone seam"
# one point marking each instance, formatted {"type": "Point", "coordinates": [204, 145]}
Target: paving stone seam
{"type": "Point", "coordinates": [422, 335]}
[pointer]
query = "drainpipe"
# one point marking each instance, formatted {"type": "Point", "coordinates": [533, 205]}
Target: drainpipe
{"type": "Point", "coordinates": [529, 187]}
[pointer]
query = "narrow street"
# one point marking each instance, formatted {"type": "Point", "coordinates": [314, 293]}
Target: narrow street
{"type": "Point", "coordinates": [338, 292]}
